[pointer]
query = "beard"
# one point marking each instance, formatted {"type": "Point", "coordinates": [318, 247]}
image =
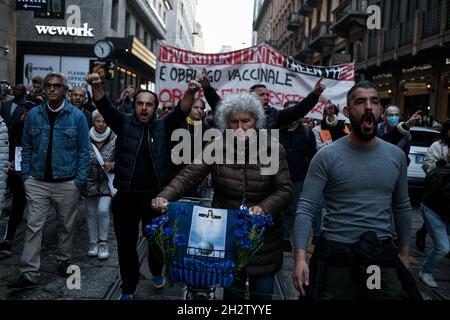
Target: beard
{"type": "Point", "coordinates": [365, 128]}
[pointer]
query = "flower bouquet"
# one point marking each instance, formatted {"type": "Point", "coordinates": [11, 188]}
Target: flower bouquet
{"type": "Point", "coordinates": [249, 236]}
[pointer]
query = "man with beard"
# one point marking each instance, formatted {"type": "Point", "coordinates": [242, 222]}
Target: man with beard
{"type": "Point", "coordinates": [364, 208]}
{"type": "Point", "coordinates": [78, 99]}
{"type": "Point", "coordinates": [142, 170]}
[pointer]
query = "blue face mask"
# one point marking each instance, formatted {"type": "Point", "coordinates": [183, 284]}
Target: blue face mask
{"type": "Point", "coordinates": [393, 120]}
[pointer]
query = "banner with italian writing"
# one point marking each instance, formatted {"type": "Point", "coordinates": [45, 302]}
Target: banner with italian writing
{"type": "Point", "coordinates": [236, 71]}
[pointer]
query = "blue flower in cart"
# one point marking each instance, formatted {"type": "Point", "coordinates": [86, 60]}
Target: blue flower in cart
{"type": "Point", "coordinates": [269, 220]}
{"type": "Point", "coordinates": [240, 233]}
{"type": "Point", "coordinates": [259, 221]}
{"type": "Point", "coordinates": [157, 223]}
{"type": "Point", "coordinates": [167, 232]}
{"type": "Point", "coordinates": [180, 240]}
{"type": "Point", "coordinates": [246, 243]}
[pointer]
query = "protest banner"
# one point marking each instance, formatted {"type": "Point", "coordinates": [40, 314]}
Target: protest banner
{"type": "Point", "coordinates": [234, 72]}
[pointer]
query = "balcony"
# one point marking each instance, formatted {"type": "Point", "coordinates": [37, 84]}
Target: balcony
{"type": "Point", "coordinates": [350, 15]}
{"type": "Point", "coordinates": [431, 22]}
{"type": "Point", "coordinates": [307, 7]}
{"type": "Point", "coordinates": [294, 21]}
{"type": "Point", "coordinates": [305, 51]}
{"type": "Point", "coordinates": [321, 36]}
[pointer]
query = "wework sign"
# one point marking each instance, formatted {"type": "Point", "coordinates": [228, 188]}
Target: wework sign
{"type": "Point", "coordinates": [73, 26]}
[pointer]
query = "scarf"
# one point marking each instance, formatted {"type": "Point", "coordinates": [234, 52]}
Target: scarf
{"type": "Point", "coordinates": [99, 137]}
{"type": "Point", "coordinates": [193, 122]}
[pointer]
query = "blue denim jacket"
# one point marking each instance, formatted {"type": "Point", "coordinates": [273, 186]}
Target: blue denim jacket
{"type": "Point", "coordinates": [71, 146]}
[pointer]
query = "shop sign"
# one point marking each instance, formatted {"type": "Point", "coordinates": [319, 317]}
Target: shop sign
{"type": "Point", "coordinates": [73, 27]}
{"type": "Point", "coordinates": [416, 68]}
{"type": "Point", "coordinates": [75, 68]}
{"type": "Point", "coordinates": [382, 76]}
{"type": "Point", "coordinates": [84, 31]}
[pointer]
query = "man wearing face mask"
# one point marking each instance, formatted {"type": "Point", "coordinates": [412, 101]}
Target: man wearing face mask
{"type": "Point", "coordinates": [391, 120]}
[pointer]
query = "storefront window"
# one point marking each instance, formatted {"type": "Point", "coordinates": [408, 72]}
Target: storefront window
{"type": "Point", "coordinates": [55, 10]}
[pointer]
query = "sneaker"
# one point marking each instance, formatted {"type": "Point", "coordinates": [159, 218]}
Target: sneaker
{"type": "Point", "coordinates": [103, 251]}
{"type": "Point", "coordinates": [22, 284]}
{"type": "Point", "coordinates": [126, 297]}
{"type": "Point", "coordinates": [5, 248]}
{"type": "Point", "coordinates": [428, 279]}
{"type": "Point", "coordinates": [159, 282]}
{"type": "Point", "coordinates": [287, 247]}
{"type": "Point", "coordinates": [93, 250]}
{"type": "Point", "coordinates": [62, 268]}
{"type": "Point", "coordinates": [420, 240]}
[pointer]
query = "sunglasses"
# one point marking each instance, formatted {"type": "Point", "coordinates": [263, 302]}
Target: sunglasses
{"type": "Point", "coordinates": [55, 86]}
{"type": "Point", "coordinates": [167, 108]}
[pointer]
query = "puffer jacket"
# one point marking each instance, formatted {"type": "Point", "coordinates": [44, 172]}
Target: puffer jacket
{"type": "Point", "coordinates": [4, 155]}
{"type": "Point", "coordinates": [270, 192]}
{"type": "Point", "coordinates": [97, 181]}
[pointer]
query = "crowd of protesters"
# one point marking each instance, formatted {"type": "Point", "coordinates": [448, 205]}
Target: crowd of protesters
{"type": "Point", "coordinates": [60, 148]}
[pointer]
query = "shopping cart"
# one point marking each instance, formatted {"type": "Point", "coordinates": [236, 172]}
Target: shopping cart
{"type": "Point", "coordinates": [203, 268]}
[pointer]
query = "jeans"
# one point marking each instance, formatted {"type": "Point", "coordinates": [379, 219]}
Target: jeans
{"type": "Point", "coordinates": [261, 288]}
{"type": "Point", "coordinates": [98, 219]}
{"type": "Point", "coordinates": [439, 231]}
{"type": "Point", "coordinates": [18, 205]}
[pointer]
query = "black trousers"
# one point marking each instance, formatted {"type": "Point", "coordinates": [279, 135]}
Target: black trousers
{"type": "Point", "coordinates": [129, 209]}
{"type": "Point", "coordinates": [18, 205]}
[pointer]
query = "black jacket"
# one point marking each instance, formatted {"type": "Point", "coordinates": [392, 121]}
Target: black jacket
{"type": "Point", "coordinates": [130, 134]}
{"type": "Point", "coordinates": [300, 147]}
{"type": "Point", "coordinates": [275, 118]}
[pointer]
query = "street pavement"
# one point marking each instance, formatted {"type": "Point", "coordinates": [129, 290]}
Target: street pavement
{"type": "Point", "coordinates": [100, 280]}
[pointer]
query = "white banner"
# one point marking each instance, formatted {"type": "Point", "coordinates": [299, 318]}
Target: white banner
{"type": "Point", "coordinates": [233, 72]}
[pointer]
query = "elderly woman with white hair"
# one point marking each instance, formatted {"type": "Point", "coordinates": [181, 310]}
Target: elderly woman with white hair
{"type": "Point", "coordinates": [243, 182]}
{"type": "Point", "coordinates": [99, 185]}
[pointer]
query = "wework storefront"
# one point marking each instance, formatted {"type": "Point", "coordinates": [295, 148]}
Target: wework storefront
{"type": "Point", "coordinates": [49, 45]}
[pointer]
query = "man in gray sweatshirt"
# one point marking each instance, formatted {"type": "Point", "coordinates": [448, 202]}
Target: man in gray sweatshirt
{"type": "Point", "coordinates": [365, 186]}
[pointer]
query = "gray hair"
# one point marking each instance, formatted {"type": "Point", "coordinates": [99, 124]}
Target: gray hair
{"type": "Point", "coordinates": [56, 75]}
{"type": "Point", "coordinates": [240, 102]}
{"type": "Point", "coordinates": [96, 114]}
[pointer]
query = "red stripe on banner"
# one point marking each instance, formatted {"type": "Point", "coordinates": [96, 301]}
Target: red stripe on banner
{"type": "Point", "coordinates": [254, 55]}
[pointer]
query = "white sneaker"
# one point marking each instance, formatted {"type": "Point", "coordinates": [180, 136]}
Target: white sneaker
{"type": "Point", "coordinates": [103, 251]}
{"type": "Point", "coordinates": [428, 279]}
{"type": "Point", "coordinates": [93, 250]}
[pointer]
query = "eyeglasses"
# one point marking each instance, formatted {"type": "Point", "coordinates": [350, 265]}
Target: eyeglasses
{"type": "Point", "coordinates": [167, 108]}
{"type": "Point", "coordinates": [55, 86]}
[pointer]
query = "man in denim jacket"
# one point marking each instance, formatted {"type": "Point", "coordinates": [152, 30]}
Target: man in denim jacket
{"type": "Point", "coordinates": [55, 165]}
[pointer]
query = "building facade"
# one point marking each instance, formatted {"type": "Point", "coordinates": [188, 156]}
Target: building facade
{"type": "Point", "coordinates": [408, 57]}
{"type": "Point", "coordinates": [182, 24]}
{"type": "Point", "coordinates": [63, 39]}
{"type": "Point", "coordinates": [7, 40]}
